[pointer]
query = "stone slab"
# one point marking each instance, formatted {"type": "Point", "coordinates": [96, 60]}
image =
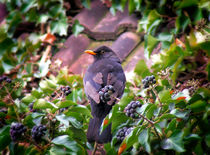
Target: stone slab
{"type": "Point", "coordinates": [90, 17]}
{"type": "Point", "coordinates": [125, 43]}
{"type": "Point", "coordinates": [111, 23]}
{"type": "Point", "coordinates": [73, 48]}
{"type": "Point", "coordinates": [80, 66]}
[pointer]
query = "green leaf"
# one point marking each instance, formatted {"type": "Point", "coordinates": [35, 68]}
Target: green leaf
{"type": "Point", "coordinates": [174, 142]}
{"type": "Point", "coordinates": [42, 104]}
{"type": "Point", "coordinates": [65, 104]}
{"type": "Point", "coordinates": [81, 109]}
{"type": "Point", "coordinates": [144, 140]}
{"type": "Point", "coordinates": [197, 106]}
{"type": "Point", "coordinates": [131, 6]}
{"type": "Point", "coordinates": [7, 67]}
{"type": "Point", "coordinates": [28, 99]}
{"type": "Point", "coordinates": [66, 119]}
{"type": "Point", "coordinates": [150, 111]}
{"type": "Point", "coordinates": [187, 3]}
{"type": "Point", "coordinates": [181, 22]}
{"type": "Point", "coordinates": [165, 116]}
{"type": "Point", "coordinates": [77, 28]}
{"type": "Point", "coordinates": [141, 69]}
{"type": "Point", "coordinates": [208, 70]}
{"type": "Point", "coordinates": [68, 143]}
{"type": "Point", "coordinates": [25, 7]}
{"type": "Point", "coordinates": [55, 150]}
{"type": "Point", "coordinates": [171, 126]}
{"type": "Point", "coordinates": [60, 26]}
{"type": "Point", "coordinates": [4, 137]}
{"type": "Point", "coordinates": [150, 43]}
{"type": "Point", "coordinates": [192, 137]}
{"type": "Point", "coordinates": [207, 140]}
{"type": "Point", "coordinates": [179, 113]}
{"type": "Point", "coordinates": [36, 93]}
{"type": "Point", "coordinates": [165, 96]}
{"type": "Point", "coordinates": [165, 36]}
{"type": "Point", "coordinates": [43, 18]}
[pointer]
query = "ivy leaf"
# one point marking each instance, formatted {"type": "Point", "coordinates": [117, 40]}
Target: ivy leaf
{"type": "Point", "coordinates": [144, 140]}
{"type": "Point", "coordinates": [66, 119]}
{"type": "Point", "coordinates": [142, 69]}
{"type": "Point", "coordinates": [179, 114]}
{"type": "Point", "coordinates": [81, 109]}
{"type": "Point", "coordinates": [28, 5]}
{"type": "Point", "coordinates": [28, 99]}
{"type": "Point", "coordinates": [68, 143]}
{"type": "Point", "coordinates": [150, 43]}
{"type": "Point", "coordinates": [4, 137]}
{"type": "Point", "coordinates": [77, 28]}
{"type": "Point", "coordinates": [60, 26]}
{"type": "Point", "coordinates": [42, 104]}
{"type": "Point", "coordinates": [174, 142]}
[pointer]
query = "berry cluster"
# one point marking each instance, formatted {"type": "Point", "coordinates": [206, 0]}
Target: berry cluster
{"type": "Point", "coordinates": [17, 130]}
{"type": "Point", "coordinates": [130, 109]}
{"type": "Point", "coordinates": [38, 131]}
{"type": "Point", "coordinates": [123, 132]}
{"type": "Point", "coordinates": [106, 92]}
{"type": "Point", "coordinates": [66, 90]}
{"type": "Point", "coordinates": [5, 78]}
{"type": "Point", "coordinates": [149, 80]}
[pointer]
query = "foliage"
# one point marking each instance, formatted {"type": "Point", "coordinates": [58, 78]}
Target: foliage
{"type": "Point", "coordinates": [173, 116]}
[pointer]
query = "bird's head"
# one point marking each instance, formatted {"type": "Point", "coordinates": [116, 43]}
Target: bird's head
{"type": "Point", "coordinates": [102, 52]}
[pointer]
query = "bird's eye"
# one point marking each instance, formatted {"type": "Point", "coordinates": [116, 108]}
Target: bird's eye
{"type": "Point", "coordinates": [102, 51]}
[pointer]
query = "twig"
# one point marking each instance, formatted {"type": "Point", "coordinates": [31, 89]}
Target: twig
{"type": "Point", "coordinates": [152, 123]}
{"type": "Point", "coordinates": [13, 103]}
{"type": "Point", "coordinates": [95, 148]}
{"type": "Point", "coordinates": [156, 94]}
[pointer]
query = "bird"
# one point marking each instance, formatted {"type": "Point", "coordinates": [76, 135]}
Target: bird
{"type": "Point", "coordinates": [105, 72]}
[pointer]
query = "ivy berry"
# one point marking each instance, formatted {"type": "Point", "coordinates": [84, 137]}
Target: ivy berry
{"type": "Point", "coordinates": [148, 80]}
{"type": "Point", "coordinates": [38, 131]}
{"type": "Point", "coordinates": [16, 131]}
{"type": "Point", "coordinates": [123, 132]}
{"type": "Point", "coordinates": [130, 109]}
{"type": "Point", "coordinates": [106, 92]}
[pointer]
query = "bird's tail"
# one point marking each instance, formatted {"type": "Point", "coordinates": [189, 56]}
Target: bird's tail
{"type": "Point", "coordinates": [94, 130]}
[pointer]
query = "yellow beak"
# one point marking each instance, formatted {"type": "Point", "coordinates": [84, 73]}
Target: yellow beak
{"type": "Point", "coordinates": [90, 52]}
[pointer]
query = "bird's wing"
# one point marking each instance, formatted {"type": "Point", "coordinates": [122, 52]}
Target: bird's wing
{"type": "Point", "coordinates": [117, 80]}
{"type": "Point", "coordinates": [92, 85]}
{"type": "Point", "coordinates": [108, 75]}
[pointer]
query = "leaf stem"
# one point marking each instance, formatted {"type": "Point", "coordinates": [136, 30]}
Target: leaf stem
{"type": "Point", "coordinates": [156, 94]}
{"type": "Point", "coordinates": [152, 123]}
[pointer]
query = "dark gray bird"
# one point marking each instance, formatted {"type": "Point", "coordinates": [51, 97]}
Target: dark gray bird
{"type": "Point", "coordinates": [105, 70]}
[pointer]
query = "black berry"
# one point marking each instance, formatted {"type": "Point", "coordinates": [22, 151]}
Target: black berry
{"type": "Point", "coordinates": [16, 131]}
{"type": "Point", "coordinates": [37, 132]}
{"type": "Point", "coordinates": [53, 94]}
{"type": "Point", "coordinates": [66, 90]}
{"type": "Point", "coordinates": [130, 109]}
{"type": "Point", "coordinates": [106, 92]}
{"type": "Point", "coordinates": [149, 80]}
{"type": "Point", "coordinates": [122, 133]}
